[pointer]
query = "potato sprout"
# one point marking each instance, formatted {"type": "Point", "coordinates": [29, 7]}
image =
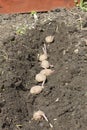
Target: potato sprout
{"type": "Point", "coordinates": [40, 114]}
{"type": "Point", "coordinates": [36, 89]}
{"type": "Point", "coordinates": [45, 64]}
{"type": "Point", "coordinates": [46, 72]}
{"type": "Point", "coordinates": [43, 56]}
{"type": "Point", "coordinates": [49, 39]}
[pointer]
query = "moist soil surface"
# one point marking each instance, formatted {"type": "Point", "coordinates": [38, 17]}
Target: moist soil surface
{"type": "Point", "coordinates": [64, 97]}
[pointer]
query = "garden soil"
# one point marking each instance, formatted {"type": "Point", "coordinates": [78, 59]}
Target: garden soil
{"type": "Point", "coordinates": [64, 98]}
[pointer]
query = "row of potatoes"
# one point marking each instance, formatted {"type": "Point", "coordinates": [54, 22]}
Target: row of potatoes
{"type": "Point", "coordinates": [46, 71]}
{"type": "Point", "coordinates": [41, 78]}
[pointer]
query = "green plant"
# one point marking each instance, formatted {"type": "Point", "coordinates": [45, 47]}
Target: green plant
{"type": "Point", "coordinates": [83, 5]}
{"type": "Point", "coordinates": [21, 30]}
{"type": "Point", "coordinates": [34, 14]}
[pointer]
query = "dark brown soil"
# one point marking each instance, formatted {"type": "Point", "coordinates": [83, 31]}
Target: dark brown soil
{"type": "Point", "coordinates": [19, 65]}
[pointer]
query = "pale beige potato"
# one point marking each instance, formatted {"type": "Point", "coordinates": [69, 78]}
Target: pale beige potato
{"type": "Point", "coordinates": [38, 115]}
{"type": "Point", "coordinates": [36, 89]}
{"type": "Point", "coordinates": [49, 39]}
{"type": "Point", "coordinates": [46, 72]}
{"type": "Point", "coordinates": [45, 64]}
{"type": "Point", "coordinates": [40, 77]}
{"type": "Point", "coordinates": [42, 57]}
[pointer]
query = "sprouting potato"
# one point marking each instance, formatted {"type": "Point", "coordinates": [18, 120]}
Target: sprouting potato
{"type": "Point", "coordinates": [45, 64]}
{"type": "Point", "coordinates": [38, 115]}
{"type": "Point", "coordinates": [36, 89]}
{"type": "Point", "coordinates": [40, 78]}
{"type": "Point", "coordinates": [44, 55]}
{"type": "Point", "coordinates": [46, 72]}
{"type": "Point", "coordinates": [49, 39]}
